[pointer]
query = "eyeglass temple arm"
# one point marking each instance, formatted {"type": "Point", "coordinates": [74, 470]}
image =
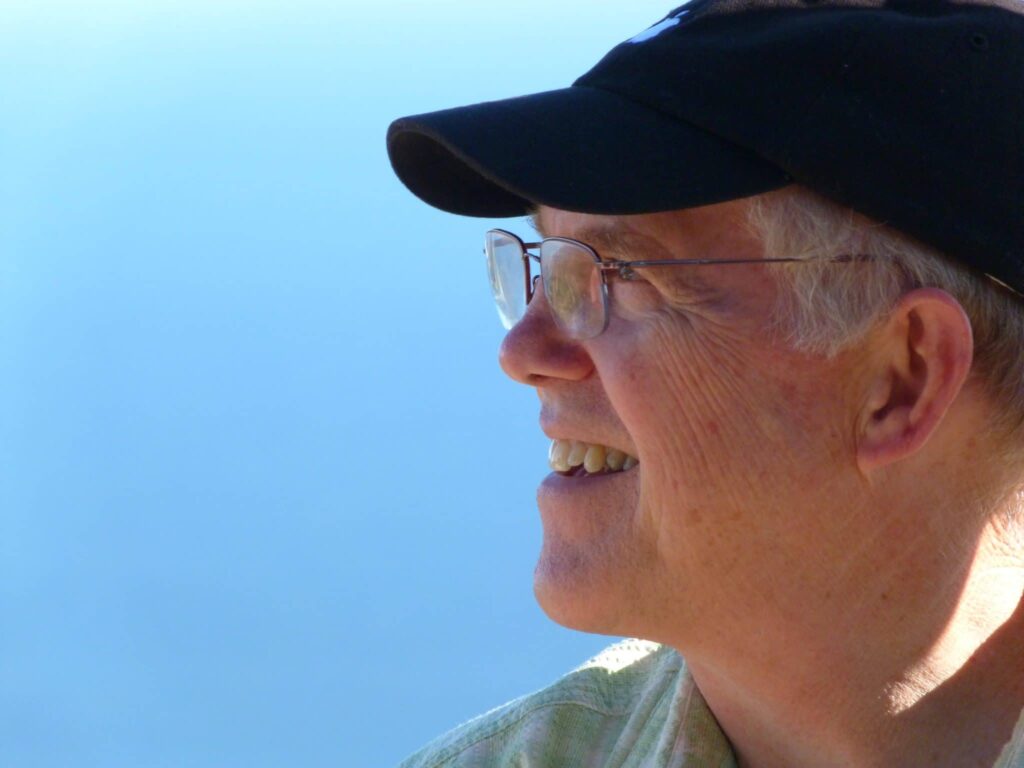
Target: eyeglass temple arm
{"type": "Point", "coordinates": [625, 268]}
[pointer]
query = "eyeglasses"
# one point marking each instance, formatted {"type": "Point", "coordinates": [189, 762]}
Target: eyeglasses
{"type": "Point", "coordinates": [575, 278]}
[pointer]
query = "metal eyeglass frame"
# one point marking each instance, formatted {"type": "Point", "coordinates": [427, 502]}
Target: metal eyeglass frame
{"type": "Point", "coordinates": [625, 270]}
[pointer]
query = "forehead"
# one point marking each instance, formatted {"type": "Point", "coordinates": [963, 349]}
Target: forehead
{"type": "Point", "coordinates": [602, 232]}
{"type": "Point", "coordinates": [662, 235]}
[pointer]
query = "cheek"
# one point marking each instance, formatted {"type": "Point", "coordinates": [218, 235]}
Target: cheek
{"type": "Point", "coordinates": [708, 412]}
{"type": "Point", "coordinates": [682, 389]}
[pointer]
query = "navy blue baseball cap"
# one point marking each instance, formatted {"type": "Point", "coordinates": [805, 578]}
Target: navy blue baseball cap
{"type": "Point", "coordinates": [909, 111]}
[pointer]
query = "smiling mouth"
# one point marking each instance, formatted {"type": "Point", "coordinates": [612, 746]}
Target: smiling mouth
{"type": "Point", "coordinates": [574, 458]}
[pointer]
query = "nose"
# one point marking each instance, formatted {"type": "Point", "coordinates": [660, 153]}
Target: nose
{"type": "Point", "coordinates": [536, 350]}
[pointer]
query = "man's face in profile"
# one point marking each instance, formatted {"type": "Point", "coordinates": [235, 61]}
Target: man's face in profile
{"type": "Point", "coordinates": [688, 378]}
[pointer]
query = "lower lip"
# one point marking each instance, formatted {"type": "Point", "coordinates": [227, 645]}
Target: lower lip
{"type": "Point", "coordinates": [556, 483]}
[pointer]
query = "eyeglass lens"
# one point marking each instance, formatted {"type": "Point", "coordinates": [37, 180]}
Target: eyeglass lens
{"type": "Point", "coordinates": [573, 287]}
{"type": "Point", "coordinates": [508, 270]}
{"type": "Point", "coordinates": [572, 283]}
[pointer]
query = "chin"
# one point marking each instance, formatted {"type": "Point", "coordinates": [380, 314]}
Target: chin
{"type": "Point", "coordinates": [575, 594]}
{"type": "Point", "coordinates": [593, 557]}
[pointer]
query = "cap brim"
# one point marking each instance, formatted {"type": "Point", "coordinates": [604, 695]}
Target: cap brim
{"type": "Point", "coordinates": [577, 149]}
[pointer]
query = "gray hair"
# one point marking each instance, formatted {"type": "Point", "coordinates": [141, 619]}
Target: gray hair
{"type": "Point", "coordinates": [825, 307]}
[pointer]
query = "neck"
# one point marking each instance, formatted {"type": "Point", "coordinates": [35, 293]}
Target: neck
{"type": "Point", "coordinates": [902, 681]}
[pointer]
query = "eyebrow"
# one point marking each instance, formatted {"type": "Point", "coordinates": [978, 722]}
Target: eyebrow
{"type": "Point", "coordinates": [622, 241]}
{"type": "Point", "coordinates": [537, 226]}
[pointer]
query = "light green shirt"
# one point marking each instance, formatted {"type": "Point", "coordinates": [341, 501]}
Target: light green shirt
{"type": "Point", "coordinates": [633, 706]}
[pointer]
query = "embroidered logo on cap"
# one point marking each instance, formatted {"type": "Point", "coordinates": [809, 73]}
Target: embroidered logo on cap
{"type": "Point", "coordinates": [648, 34]}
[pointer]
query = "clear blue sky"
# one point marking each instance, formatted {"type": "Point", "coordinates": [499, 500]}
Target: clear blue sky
{"type": "Point", "coordinates": [265, 497]}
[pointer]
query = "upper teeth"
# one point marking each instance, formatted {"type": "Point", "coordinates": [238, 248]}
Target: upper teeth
{"type": "Point", "coordinates": [567, 454]}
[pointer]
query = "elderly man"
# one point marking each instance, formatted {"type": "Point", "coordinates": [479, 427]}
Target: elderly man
{"type": "Point", "coordinates": [774, 321]}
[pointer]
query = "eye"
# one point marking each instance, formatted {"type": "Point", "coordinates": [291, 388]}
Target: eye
{"type": "Point", "coordinates": [635, 294]}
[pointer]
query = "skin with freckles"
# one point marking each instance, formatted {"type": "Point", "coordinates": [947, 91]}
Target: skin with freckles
{"type": "Point", "coordinates": [816, 536]}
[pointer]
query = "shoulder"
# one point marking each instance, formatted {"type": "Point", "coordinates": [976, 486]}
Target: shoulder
{"type": "Point", "coordinates": [1013, 752]}
{"type": "Point", "coordinates": [592, 710]}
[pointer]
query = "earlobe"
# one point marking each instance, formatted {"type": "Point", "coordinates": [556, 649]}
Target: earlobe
{"type": "Point", "coordinates": [922, 358]}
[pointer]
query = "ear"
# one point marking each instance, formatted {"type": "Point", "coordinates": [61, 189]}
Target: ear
{"type": "Point", "coordinates": [921, 359]}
